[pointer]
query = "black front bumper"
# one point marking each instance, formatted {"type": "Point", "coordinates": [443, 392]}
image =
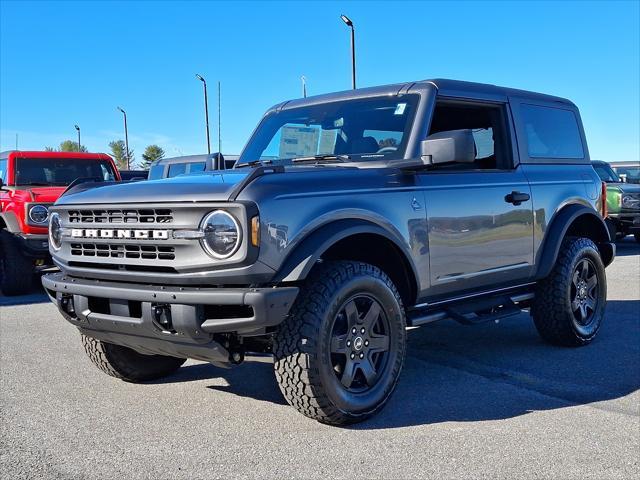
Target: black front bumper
{"type": "Point", "coordinates": [127, 314]}
{"type": "Point", "coordinates": [33, 245]}
{"type": "Point", "coordinates": [627, 221]}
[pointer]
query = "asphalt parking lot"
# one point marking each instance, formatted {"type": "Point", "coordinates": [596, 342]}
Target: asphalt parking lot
{"type": "Point", "coordinates": [487, 401]}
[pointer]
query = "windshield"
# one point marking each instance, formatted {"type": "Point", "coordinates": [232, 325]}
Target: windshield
{"type": "Point", "coordinates": [60, 171]}
{"type": "Point", "coordinates": [365, 129]}
{"type": "Point", "coordinates": [632, 173]}
{"type": "Point", "coordinates": [605, 172]}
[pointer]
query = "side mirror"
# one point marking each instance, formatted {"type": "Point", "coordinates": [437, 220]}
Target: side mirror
{"type": "Point", "coordinates": [449, 146]}
{"type": "Point", "coordinates": [623, 177]}
{"type": "Point", "coordinates": [1, 184]}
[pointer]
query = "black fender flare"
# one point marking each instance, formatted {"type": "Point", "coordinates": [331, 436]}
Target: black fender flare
{"type": "Point", "coordinates": [557, 230]}
{"type": "Point", "coordinates": [10, 221]}
{"type": "Point", "coordinates": [301, 260]}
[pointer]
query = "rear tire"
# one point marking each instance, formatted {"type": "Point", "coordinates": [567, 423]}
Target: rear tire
{"type": "Point", "coordinates": [16, 271]}
{"type": "Point", "coordinates": [127, 364]}
{"type": "Point", "coordinates": [339, 353]}
{"type": "Point", "coordinates": [569, 304]}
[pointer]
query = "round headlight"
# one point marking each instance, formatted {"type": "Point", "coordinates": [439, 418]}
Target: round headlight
{"type": "Point", "coordinates": [222, 234]}
{"type": "Point", "coordinates": [630, 202]}
{"type": "Point", "coordinates": [55, 231]}
{"type": "Point", "coordinates": [38, 214]}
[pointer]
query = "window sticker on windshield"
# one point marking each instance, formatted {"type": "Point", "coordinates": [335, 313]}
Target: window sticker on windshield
{"type": "Point", "coordinates": [400, 109]}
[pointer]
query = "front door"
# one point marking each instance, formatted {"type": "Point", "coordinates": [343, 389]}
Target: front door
{"type": "Point", "coordinates": [479, 215]}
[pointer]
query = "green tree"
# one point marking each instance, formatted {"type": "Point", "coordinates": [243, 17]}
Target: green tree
{"type": "Point", "coordinates": [118, 151]}
{"type": "Point", "coordinates": [49, 149]}
{"type": "Point", "coordinates": [71, 146]}
{"type": "Point", "coordinates": [151, 154]}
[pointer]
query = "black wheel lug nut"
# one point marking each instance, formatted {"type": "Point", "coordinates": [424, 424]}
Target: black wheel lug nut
{"type": "Point", "coordinates": [362, 330]}
{"type": "Point", "coordinates": [361, 354]}
{"type": "Point", "coordinates": [353, 355]}
{"type": "Point", "coordinates": [353, 330]}
{"type": "Point", "coordinates": [366, 343]}
{"type": "Point", "coordinates": [348, 343]}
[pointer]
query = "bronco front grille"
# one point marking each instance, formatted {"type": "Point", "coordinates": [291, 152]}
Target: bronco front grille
{"type": "Point", "coordinates": [133, 215]}
{"type": "Point", "coordinates": [146, 252]}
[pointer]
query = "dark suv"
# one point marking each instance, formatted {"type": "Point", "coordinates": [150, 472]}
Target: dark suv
{"type": "Point", "coordinates": [348, 217]}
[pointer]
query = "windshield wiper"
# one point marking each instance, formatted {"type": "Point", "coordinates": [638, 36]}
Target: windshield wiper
{"type": "Point", "coordinates": [253, 163]}
{"type": "Point", "coordinates": [322, 158]}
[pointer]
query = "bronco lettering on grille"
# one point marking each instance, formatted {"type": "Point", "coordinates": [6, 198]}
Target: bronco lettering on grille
{"type": "Point", "coordinates": [117, 233]}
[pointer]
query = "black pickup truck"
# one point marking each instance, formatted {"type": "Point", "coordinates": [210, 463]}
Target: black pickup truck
{"type": "Point", "coordinates": [347, 218]}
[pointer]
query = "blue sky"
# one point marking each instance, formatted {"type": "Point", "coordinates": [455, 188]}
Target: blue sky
{"type": "Point", "coordinates": [66, 63]}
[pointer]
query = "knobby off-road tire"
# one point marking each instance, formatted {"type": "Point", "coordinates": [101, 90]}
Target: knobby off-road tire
{"type": "Point", "coordinates": [339, 353]}
{"type": "Point", "coordinates": [569, 304]}
{"type": "Point", "coordinates": [16, 271]}
{"type": "Point", "coordinates": [127, 364]}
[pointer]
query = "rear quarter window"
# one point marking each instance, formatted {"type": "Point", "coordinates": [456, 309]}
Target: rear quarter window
{"type": "Point", "coordinates": [156, 171]}
{"type": "Point", "coordinates": [3, 170]}
{"type": "Point", "coordinates": [551, 132]}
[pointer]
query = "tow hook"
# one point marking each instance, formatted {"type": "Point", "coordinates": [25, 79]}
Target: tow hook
{"type": "Point", "coordinates": [235, 348]}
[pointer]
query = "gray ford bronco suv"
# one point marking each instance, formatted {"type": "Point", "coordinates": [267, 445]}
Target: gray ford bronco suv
{"type": "Point", "coordinates": [348, 218]}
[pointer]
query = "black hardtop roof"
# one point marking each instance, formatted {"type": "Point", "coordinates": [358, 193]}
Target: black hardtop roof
{"type": "Point", "coordinates": [446, 87]}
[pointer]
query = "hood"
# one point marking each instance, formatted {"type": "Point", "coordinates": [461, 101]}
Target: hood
{"type": "Point", "coordinates": [207, 186]}
{"type": "Point", "coordinates": [625, 187]}
{"type": "Point", "coordinates": [45, 194]}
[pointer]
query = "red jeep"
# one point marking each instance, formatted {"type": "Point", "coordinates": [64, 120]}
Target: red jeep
{"type": "Point", "coordinates": [29, 183]}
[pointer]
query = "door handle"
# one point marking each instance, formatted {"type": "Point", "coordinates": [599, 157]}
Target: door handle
{"type": "Point", "coordinates": [516, 197]}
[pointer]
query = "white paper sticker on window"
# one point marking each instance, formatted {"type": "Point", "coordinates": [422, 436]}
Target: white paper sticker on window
{"type": "Point", "coordinates": [400, 108]}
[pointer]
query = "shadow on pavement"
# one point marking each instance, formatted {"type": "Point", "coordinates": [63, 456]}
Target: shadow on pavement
{"type": "Point", "coordinates": [627, 247]}
{"type": "Point", "coordinates": [37, 295]}
{"type": "Point", "coordinates": [461, 373]}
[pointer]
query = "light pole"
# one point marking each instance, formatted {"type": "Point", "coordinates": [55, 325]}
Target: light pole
{"type": "Point", "coordinates": [349, 24]}
{"type": "Point", "coordinates": [78, 129]}
{"type": "Point", "coordinates": [126, 137]}
{"type": "Point", "coordinates": [206, 110]}
{"type": "Point", "coordinates": [304, 86]}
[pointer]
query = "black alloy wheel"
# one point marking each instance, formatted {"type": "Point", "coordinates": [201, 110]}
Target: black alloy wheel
{"type": "Point", "coordinates": [360, 343]}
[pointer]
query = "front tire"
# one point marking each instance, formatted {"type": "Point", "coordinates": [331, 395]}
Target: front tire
{"type": "Point", "coordinates": [15, 269]}
{"type": "Point", "coordinates": [127, 364]}
{"type": "Point", "coordinates": [339, 353]}
{"type": "Point", "coordinates": [569, 304]}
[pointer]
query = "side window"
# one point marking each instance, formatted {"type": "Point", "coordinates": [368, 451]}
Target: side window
{"type": "Point", "coordinates": [551, 132]}
{"type": "Point", "coordinates": [197, 167]}
{"type": "Point", "coordinates": [489, 128]}
{"type": "Point", "coordinates": [156, 171]}
{"type": "Point", "coordinates": [177, 169]}
{"type": "Point", "coordinates": [483, 138]}
{"type": "Point", "coordinates": [3, 170]}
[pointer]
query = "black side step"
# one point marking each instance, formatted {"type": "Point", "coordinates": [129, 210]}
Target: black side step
{"type": "Point", "coordinates": [475, 311]}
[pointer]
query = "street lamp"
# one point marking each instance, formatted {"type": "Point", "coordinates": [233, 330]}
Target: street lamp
{"type": "Point", "coordinates": [206, 111]}
{"type": "Point", "coordinates": [349, 24]}
{"type": "Point", "coordinates": [304, 86]}
{"type": "Point", "coordinates": [78, 129]}
{"type": "Point", "coordinates": [126, 137]}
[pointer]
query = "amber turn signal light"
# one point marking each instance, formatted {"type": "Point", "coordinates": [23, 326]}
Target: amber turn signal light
{"type": "Point", "coordinates": [255, 231]}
